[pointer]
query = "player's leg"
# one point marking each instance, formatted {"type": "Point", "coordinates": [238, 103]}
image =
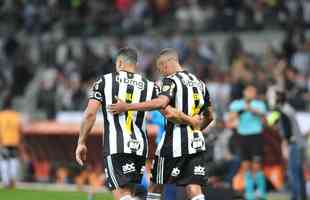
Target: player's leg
{"type": "Point", "coordinates": [114, 182]}
{"type": "Point", "coordinates": [194, 192]}
{"type": "Point", "coordinates": [155, 188]}
{"type": "Point", "coordinates": [123, 193]}
{"type": "Point", "coordinates": [194, 175]}
{"type": "Point", "coordinates": [14, 166]}
{"type": "Point", "coordinates": [4, 167]}
{"type": "Point", "coordinates": [257, 167]}
{"type": "Point", "coordinates": [246, 164]}
{"type": "Point", "coordinates": [154, 192]}
{"type": "Point", "coordinates": [123, 171]}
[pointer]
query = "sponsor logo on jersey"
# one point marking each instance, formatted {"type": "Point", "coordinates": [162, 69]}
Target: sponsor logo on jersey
{"type": "Point", "coordinates": [199, 170]}
{"type": "Point", "coordinates": [166, 88]}
{"type": "Point", "coordinates": [134, 145]}
{"type": "Point", "coordinates": [175, 172]}
{"type": "Point", "coordinates": [190, 83]}
{"type": "Point", "coordinates": [128, 168]}
{"type": "Point", "coordinates": [133, 82]}
{"type": "Point", "coordinates": [197, 143]}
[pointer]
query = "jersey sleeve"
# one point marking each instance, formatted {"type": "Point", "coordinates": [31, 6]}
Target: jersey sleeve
{"type": "Point", "coordinates": [97, 90]}
{"type": "Point", "coordinates": [168, 88]}
{"type": "Point", "coordinates": [155, 91]}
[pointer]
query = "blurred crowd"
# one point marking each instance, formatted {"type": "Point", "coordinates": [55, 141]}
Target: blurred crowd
{"type": "Point", "coordinates": [122, 17]}
{"type": "Point", "coordinates": [41, 58]}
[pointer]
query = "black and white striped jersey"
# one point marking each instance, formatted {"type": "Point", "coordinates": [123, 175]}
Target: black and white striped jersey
{"type": "Point", "coordinates": [190, 95]}
{"type": "Point", "coordinates": [125, 132]}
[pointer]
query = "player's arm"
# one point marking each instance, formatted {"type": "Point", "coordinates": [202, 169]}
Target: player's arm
{"type": "Point", "coordinates": [206, 112]}
{"type": "Point", "coordinates": [176, 116]}
{"type": "Point", "coordinates": [160, 102]}
{"type": "Point", "coordinates": [207, 117]}
{"type": "Point", "coordinates": [88, 121]}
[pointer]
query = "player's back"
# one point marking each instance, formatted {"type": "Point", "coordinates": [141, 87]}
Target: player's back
{"type": "Point", "coordinates": [189, 96]}
{"type": "Point", "coordinates": [125, 132]}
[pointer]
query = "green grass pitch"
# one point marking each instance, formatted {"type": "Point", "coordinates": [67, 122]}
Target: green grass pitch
{"type": "Point", "coordinates": [19, 194]}
{"type": "Point", "coordinates": [48, 195]}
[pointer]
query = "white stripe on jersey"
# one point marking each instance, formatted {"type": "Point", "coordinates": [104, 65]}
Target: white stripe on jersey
{"type": "Point", "coordinates": [109, 99]}
{"type": "Point", "coordinates": [138, 133]}
{"type": "Point", "coordinates": [177, 140]}
{"type": "Point", "coordinates": [190, 104]}
{"type": "Point", "coordinates": [122, 117]}
{"type": "Point", "coordinates": [149, 95]}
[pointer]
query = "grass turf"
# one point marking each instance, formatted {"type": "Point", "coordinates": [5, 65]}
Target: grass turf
{"type": "Point", "coordinates": [19, 194]}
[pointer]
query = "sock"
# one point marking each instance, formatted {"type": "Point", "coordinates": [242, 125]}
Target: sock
{"type": "Point", "coordinates": [199, 197]}
{"type": "Point", "coordinates": [127, 197]}
{"type": "Point", "coordinates": [153, 196]}
{"type": "Point", "coordinates": [261, 184]}
{"type": "Point", "coordinates": [249, 186]}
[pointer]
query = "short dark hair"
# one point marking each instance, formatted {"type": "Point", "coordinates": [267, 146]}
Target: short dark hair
{"type": "Point", "coordinates": [168, 51]}
{"type": "Point", "coordinates": [130, 55]}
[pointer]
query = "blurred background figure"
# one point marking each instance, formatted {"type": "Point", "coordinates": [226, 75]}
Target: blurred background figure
{"type": "Point", "coordinates": [293, 145]}
{"type": "Point", "coordinates": [10, 140]}
{"type": "Point", "coordinates": [250, 112]}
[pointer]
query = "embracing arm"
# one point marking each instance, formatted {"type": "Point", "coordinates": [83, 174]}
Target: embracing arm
{"type": "Point", "coordinates": [155, 104]}
{"type": "Point", "coordinates": [158, 103]}
{"type": "Point", "coordinates": [176, 116]}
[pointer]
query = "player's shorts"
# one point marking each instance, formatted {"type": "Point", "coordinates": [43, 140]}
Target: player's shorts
{"type": "Point", "coordinates": [185, 170]}
{"type": "Point", "coordinates": [251, 147]}
{"type": "Point", "coordinates": [123, 170]}
{"type": "Point", "coordinates": [8, 152]}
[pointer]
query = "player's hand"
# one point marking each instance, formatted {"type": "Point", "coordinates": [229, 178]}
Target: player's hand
{"type": "Point", "coordinates": [80, 154]}
{"type": "Point", "coordinates": [196, 122]}
{"type": "Point", "coordinates": [169, 112]}
{"type": "Point", "coordinates": [119, 107]}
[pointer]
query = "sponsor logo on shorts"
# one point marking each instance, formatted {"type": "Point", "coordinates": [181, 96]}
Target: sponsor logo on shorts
{"type": "Point", "coordinates": [128, 168]}
{"type": "Point", "coordinates": [142, 170]}
{"type": "Point", "coordinates": [175, 172]}
{"type": "Point", "coordinates": [199, 170]}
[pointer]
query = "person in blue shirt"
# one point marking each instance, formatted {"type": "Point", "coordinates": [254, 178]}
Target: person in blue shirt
{"type": "Point", "coordinates": [249, 113]}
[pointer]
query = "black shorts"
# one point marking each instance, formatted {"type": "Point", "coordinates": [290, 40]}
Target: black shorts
{"type": "Point", "coordinates": [123, 170]}
{"type": "Point", "coordinates": [8, 152]}
{"type": "Point", "coordinates": [251, 147]}
{"type": "Point", "coordinates": [185, 170]}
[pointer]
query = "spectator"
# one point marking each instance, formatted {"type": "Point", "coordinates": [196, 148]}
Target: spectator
{"type": "Point", "coordinates": [294, 144]}
{"type": "Point", "coordinates": [250, 112]}
{"type": "Point", "coordinates": [10, 140]}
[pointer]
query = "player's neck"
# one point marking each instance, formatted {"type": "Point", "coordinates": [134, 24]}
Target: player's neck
{"type": "Point", "coordinates": [128, 69]}
{"type": "Point", "coordinates": [179, 68]}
